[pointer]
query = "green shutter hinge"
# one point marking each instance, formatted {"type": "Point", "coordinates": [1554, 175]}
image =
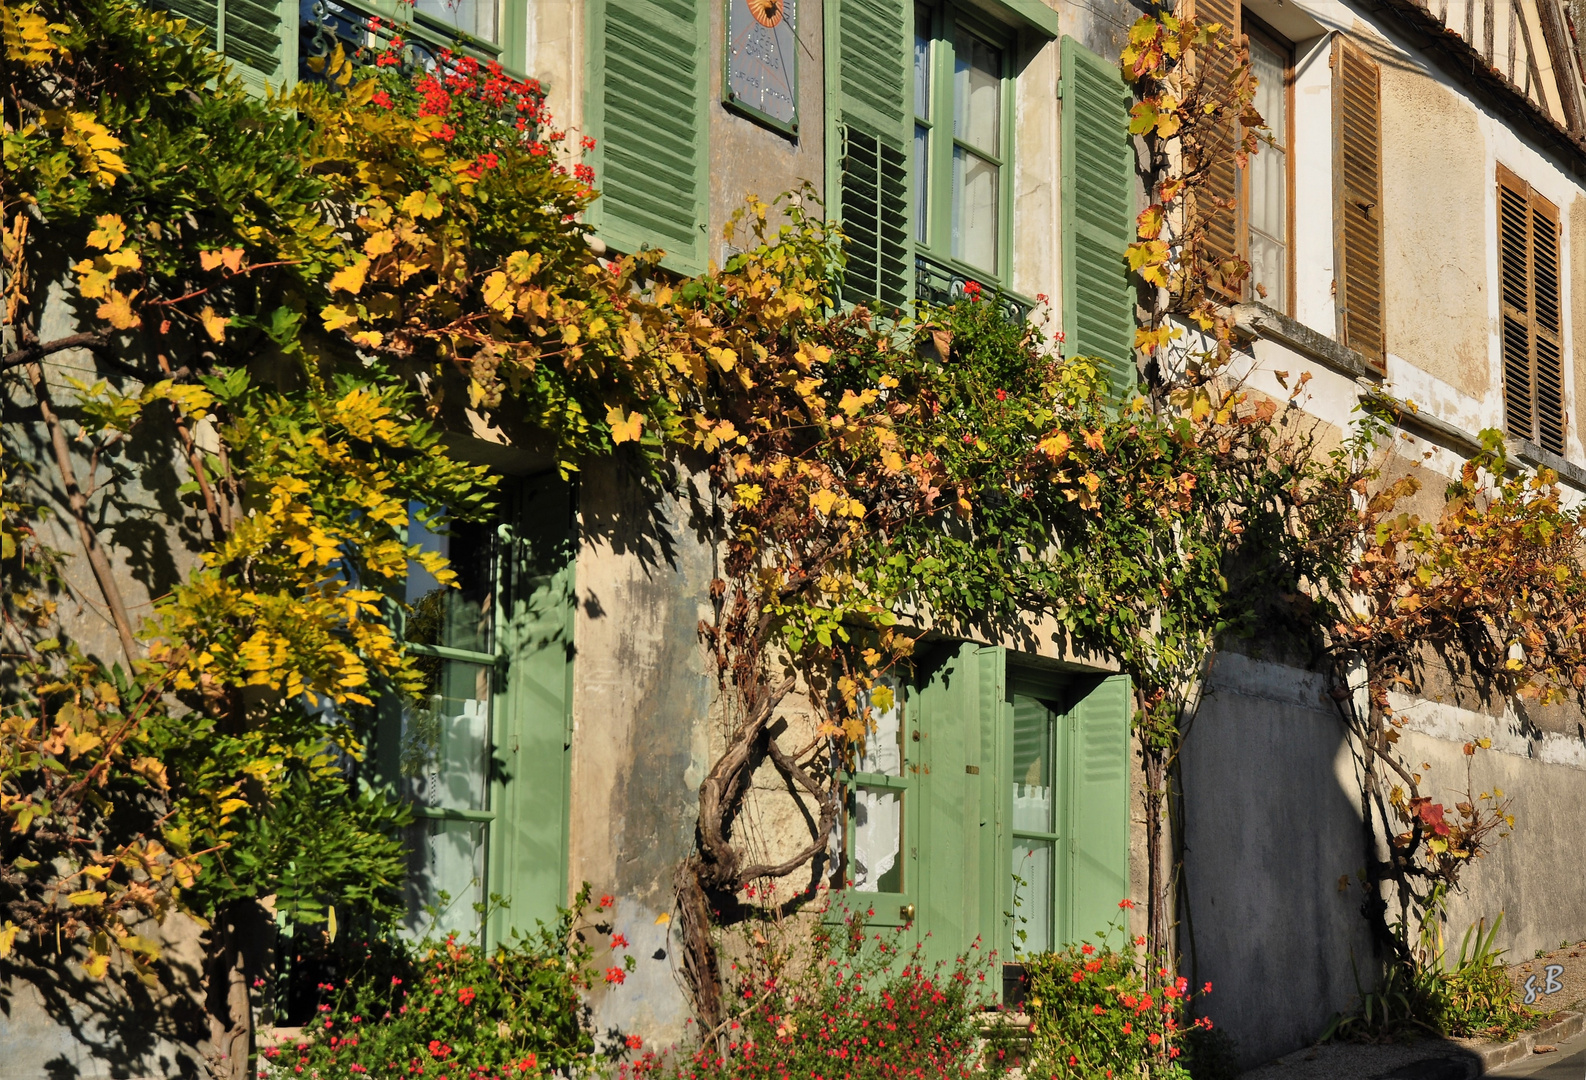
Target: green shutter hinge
{"type": "Point", "coordinates": [1060, 89]}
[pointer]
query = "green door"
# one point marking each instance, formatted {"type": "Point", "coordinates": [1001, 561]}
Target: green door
{"type": "Point", "coordinates": [482, 758]}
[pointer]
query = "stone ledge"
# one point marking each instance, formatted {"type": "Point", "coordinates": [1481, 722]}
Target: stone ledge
{"type": "Point", "coordinates": [1403, 416]}
{"type": "Point", "coordinates": [1258, 320]}
{"type": "Point", "coordinates": [1561, 1027]}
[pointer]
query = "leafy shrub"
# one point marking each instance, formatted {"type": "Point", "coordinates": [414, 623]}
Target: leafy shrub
{"type": "Point", "coordinates": [1420, 990]}
{"type": "Point", "coordinates": [1093, 1016]}
{"type": "Point", "coordinates": [441, 1007]}
{"type": "Point", "coordinates": [846, 1003]}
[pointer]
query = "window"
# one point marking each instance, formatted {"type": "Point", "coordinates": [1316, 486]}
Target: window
{"type": "Point", "coordinates": [962, 113]}
{"type": "Point", "coordinates": [991, 802]}
{"type": "Point", "coordinates": [1528, 274]}
{"type": "Point", "coordinates": [444, 747]}
{"type": "Point", "coordinates": [1265, 186]}
{"type": "Point", "coordinates": [481, 757]}
{"type": "Point", "coordinates": [874, 821]}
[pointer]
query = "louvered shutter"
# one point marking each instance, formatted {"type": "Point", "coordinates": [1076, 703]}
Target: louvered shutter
{"type": "Point", "coordinates": [870, 44]}
{"type": "Point", "coordinates": [1220, 241]}
{"type": "Point", "coordinates": [1098, 807]}
{"type": "Point", "coordinates": [259, 37]}
{"type": "Point", "coordinates": [1528, 268]}
{"type": "Point", "coordinates": [1098, 214]}
{"type": "Point", "coordinates": [527, 859]}
{"type": "Point", "coordinates": [1357, 209]}
{"type": "Point", "coordinates": [648, 109]}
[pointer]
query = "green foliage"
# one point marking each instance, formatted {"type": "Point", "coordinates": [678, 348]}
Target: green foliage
{"type": "Point", "coordinates": [1093, 1015]}
{"type": "Point", "coordinates": [442, 1005]}
{"type": "Point", "coordinates": [828, 999]}
{"type": "Point", "coordinates": [1470, 997]}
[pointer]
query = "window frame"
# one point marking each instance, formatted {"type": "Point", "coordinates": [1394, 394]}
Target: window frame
{"type": "Point", "coordinates": [934, 206]}
{"type": "Point", "coordinates": [1255, 28]}
{"type": "Point", "coordinates": [896, 909]}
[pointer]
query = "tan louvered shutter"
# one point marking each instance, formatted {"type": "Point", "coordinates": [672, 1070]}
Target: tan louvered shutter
{"type": "Point", "coordinates": [1528, 271]}
{"type": "Point", "coordinates": [1357, 211]}
{"type": "Point", "coordinates": [1221, 241]}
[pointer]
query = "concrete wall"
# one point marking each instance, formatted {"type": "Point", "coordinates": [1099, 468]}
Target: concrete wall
{"type": "Point", "coordinates": [1271, 823]}
{"type": "Point", "coordinates": [643, 704]}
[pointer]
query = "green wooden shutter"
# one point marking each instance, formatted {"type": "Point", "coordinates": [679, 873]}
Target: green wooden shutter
{"type": "Point", "coordinates": [961, 870]}
{"type": "Point", "coordinates": [259, 37]}
{"type": "Point", "coordinates": [649, 76]}
{"type": "Point", "coordinates": [528, 840]}
{"type": "Point", "coordinates": [1098, 807]}
{"type": "Point", "coordinates": [1098, 214]}
{"type": "Point", "coordinates": [869, 47]}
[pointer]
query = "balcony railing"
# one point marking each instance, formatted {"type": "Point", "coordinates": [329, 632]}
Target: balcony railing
{"type": "Point", "coordinates": [938, 282]}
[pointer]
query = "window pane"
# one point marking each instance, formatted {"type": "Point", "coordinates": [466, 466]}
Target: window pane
{"type": "Point", "coordinates": [1269, 219]}
{"type": "Point", "coordinates": [884, 745]}
{"type": "Point", "coordinates": [460, 616]}
{"type": "Point", "coordinates": [922, 184]}
{"type": "Point", "coordinates": [1032, 766]}
{"type": "Point", "coordinates": [1268, 66]}
{"type": "Point", "coordinates": [473, 17]}
{"type": "Point", "coordinates": [1032, 894]}
{"type": "Point", "coordinates": [445, 857]}
{"type": "Point", "coordinates": [975, 184]}
{"type": "Point", "coordinates": [977, 93]}
{"type": "Point", "coordinates": [922, 64]}
{"type": "Point", "coordinates": [446, 740]}
{"type": "Point", "coordinates": [873, 864]}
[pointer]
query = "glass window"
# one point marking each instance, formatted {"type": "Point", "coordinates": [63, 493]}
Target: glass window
{"type": "Point", "coordinates": [977, 174]}
{"type": "Point", "coordinates": [1265, 194]}
{"type": "Point", "coordinates": [443, 737]}
{"type": "Point", "coordinates": [1034, 824]}
{"type": "Point", "coordinates": [877, 807]}
{"type": "Point", "coordinates": [476, 18]}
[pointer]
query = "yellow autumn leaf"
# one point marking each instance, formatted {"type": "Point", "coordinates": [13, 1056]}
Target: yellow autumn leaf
{"type": "Point", "coordinates": [97, 965]}
{"type": "Point", "coordinates": [624, 429]}
{"type": "Point", "coordinates": [337, 317]}
{"type": "Point", "coordinates": [8, 937]}
{"type": "Point", "coordinates": [117, 311]}
{"type": "Point", "coordinates": [86, 898]}
{"type": "Point", "coordinates": [214, 325]}
{"type": "Point", "coordinates": [1056, 446]}
{"type": "Point", "coordinates": [495, 292]}
{"type": "Point", "coordinates": [350, 278]}
{"type": "Point", "coordinates": [93, 278]}
{"type": "Point", "coordinates": [109, 234]}
{"type": "Point", "coordinates": [421, 204]}
{"type": "Point", "coordinates": [379, 243]}
{"type": "Point", "coordinates": [823, 500]}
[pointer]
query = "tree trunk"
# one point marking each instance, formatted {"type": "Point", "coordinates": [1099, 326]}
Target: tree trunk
{"type": "Point", "coordinates": [77, 503]}
{"type": "Point", "coordinates": [236, 953]}
{"type": "Point", "coordinates": [1159, 879]}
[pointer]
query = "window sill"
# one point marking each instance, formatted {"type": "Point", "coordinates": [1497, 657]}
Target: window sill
{"type": "Point", "coordinates": [1405, 417]}
{"type": "Point", "coordinates": [1258, 320]}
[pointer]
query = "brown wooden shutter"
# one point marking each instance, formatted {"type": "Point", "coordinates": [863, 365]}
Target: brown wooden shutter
{"type": "Point", "coordinates": [1221, 240]}
{"type": "Point", "coordinates": [1533, 339]}
{"type": "Point", "coordinates": [1357, 212]}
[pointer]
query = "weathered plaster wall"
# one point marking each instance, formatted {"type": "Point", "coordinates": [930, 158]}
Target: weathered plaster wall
{"type": "Point", "coordinates": [748, 158]}
{"type": "Point", "coordinates": [1435, 229]}
{"type": "Point", "coordinates": [643, 697]}
{"type": "Point", "coordinates": [1270, 826]}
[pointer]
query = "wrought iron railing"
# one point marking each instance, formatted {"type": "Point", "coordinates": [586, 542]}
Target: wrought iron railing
{"type": "Point", "coordinates": [938, 282]}
{"type": "Point", "coordinates": [362, 31]}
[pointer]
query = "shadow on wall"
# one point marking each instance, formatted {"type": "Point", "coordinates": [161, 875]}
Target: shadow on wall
{"type": "Point", "coordinates": [1271, 909]}
{"type": "Point", "coordinates": [58, 1024]}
